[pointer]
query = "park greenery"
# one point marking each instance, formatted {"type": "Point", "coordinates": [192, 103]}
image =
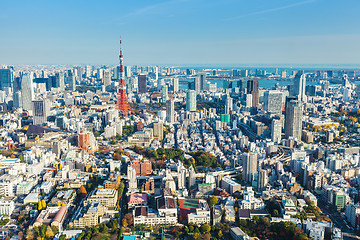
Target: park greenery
{"type": "Point", "coordinates": [158, 156]}
{"type": "Point", "coordinates": [205, 159]}
{"type": "Point", "coordinates": [263, 229]}
{"type": "Point", "coordinates": [204, 231]}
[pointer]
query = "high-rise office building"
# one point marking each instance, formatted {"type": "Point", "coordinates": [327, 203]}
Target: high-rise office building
{"type": "Point", "coordinates": [203, 84]}
{"type": "Point", "coordinates": [100, 73]}
{"type": "Point", "coordinates": [88, 71]}
{"type": "Point", "coordinates": [158, 130]}
{"type": "Point", "coordinates": [175, 85]}
{"type": "Point", "coordinates": [197, 85]}
{"type": "Point", "coordinates": [17, 99]}
{"type": "Point", "coordinates": [263, 180]}
{"type": "Point", "coordinates": [41, 110]}
{"type": "Point", "coordinates": [276, 129]}
{"type": "Point", "coordinates": [156, 73]}
{"type": "Point", "coordinates": [293, 118]}
{"type": "Point", "coordinates": [107, 77]}
{"type": "Point", "coordinates": [228, 104]}
{"type": "Point", "coordinates": [181, 177]}
{"type": "Point", "coordinates": [60, 81]}
{"type": "Point", "coordinates": [79, 72]}
{"type": "Point", "coordinates": [192, 177]}
{"type": "Point", "coordinates": [6, 78]}
{"type": "Point", "coordinates": [250, 166]}
{"type": "Point", "coordinates": [253, 89]}
{"type": "Point", "coordinates": [128, 71]}
{"type": "Point", "coordinates": [72, 81]}
{"type": "Point", "coordinates": [164, 93]}
{"type": "Point", "coordinates": [299, 86]}
{"type": "Point", "coordinates": [142, 83]}
{"type": "Point", "coordinates": [273, 101]}
{"type": "Point", "coordinates": [191, 101]}
{"type": "Point", "coordinates": [170, 111]}
{"type": "Point", "coordinates": [27, 91]}
{"type": "Point", "coordinates": [131, 174]}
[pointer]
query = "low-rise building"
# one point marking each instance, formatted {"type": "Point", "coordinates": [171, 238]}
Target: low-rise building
{"type": "Point", "coordinates": [90, 217]}
{"type": "Point", "coordinates": [137, 199]}
{"type": "Point", "coordinates": [54, 216]}
{"type": "Point", "coordinates": [249, 201]}
{"type": "Point", "coordinates": [31, 198]}
{"type": "Point", "coordinates": [194, 211]}
{"type": "Point", "coordinates": [6, 207]}
{"type": "Point", "coordinates": [229, 185]}
{"type": "Point", "coordinates": [106, 197]}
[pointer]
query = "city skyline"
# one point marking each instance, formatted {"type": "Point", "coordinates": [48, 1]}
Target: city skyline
{"type": "Point", "coordinates": [181, 32]}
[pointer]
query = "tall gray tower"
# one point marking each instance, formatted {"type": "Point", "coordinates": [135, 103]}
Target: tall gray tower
{"type": "Point", "coordinates": [293, 119]}
{"type": "Point", "coordinates": [250, 166]}
{"type": "Point", "coordinates": [27, 91]}
{"type": "Point", "coordinates": [299, 86]}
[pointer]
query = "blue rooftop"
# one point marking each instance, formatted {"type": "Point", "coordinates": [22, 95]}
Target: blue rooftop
{"type": "Point", "coordinates": [129, 238]}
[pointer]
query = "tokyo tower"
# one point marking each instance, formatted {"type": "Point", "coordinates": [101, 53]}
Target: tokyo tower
{"type": "Point", "coordinates": [122, 103]}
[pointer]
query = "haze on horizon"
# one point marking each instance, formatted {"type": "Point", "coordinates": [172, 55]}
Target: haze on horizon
{"type": "Point", "coordinates": [180, 32]}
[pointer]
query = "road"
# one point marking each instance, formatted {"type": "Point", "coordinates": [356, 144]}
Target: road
{"type": "Point", "coordinates": [336, 218]}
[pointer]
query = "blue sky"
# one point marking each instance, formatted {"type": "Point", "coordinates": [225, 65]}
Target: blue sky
{"type": "Point", "coordinates": [180, 32]}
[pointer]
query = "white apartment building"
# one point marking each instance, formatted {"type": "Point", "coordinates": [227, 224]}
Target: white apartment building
{"type": "Point", "coordinates": [6, 207]}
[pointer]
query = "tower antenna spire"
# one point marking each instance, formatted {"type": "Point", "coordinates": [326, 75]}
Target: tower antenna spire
{"type": "Point", "coordinates": [122, 103]}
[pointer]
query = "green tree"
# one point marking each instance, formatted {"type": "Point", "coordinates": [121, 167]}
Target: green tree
{"type": "Point", "coordinates": [205, 228]}
{"type": "Point", "coordinates": [220, 234]}
{"type": "Point", "coordinates": [42, 231]}
{"type": "Point", "coordinates": [196, 236]}
{"type": "Point", "coordinates": [212, 201]}
{"type": "Point", "coordinates": [275, 213]}
{"type": "Point", "coordinates": [49, 233]}
{"type": "Point", "coordinates": [62, 237]}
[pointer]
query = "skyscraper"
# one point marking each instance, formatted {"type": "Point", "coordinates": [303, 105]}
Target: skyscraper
{"type": "Point", "coordinates": [197, 85]}
{"type": "Point", "coordinates": [17, 99]}
{"type": "Point", "coordinates": [191, 101]}
{"type": "Point", "coordinates": [79, 72]}
{"type": "Point", "coordinates": [202, 77]}
{"type": "Point", "coordinates": [60, 82]}
{"type": "Point", "coordinates": [228, 104]}
{"type": "Point", "coordinates": [263, 180]}
{"type": "Point", "coordinates": [142, 83]}
{"type": "Point", "coordinates": [41, 110]}
{"type": "Point", "coordinates": [293, 118]}
{"type": "Point", "coordinates": [88, 71]}
{"type": "Point", "coordinates": [175, 84]}
{"type": "Point", "coordinates": [156, 73]}
{"type": "Point", "coordinates": [164, 93]}
{"type": "Point", "coordinates": [170, 111]}
{"type": "Point", "coordinates": [107, 77]}
{"type": "Point", "coordinates": [253, 89]}
{"type": "Point", "coordinates": [273, 101]}
{"type": "Point", "coordinates": [192, 177]}
{"type": "Point", "coordinates": [250, 165]}
{"type": "Point", "coordinates": [6, 78]}
{"type": "Point", "coordinates": [181, 177]}
{"type": "Point", "coordinates": [158, 130]}
{"type": "Point", "coordinates": [128, 71]}
{"type": "Point", "coordinates": [131, 174]}
{"type": "Point", "coordinates": [276, 127]}
{"type": "Point", "coordinates": [72, 81]}
{"type": "Point", "coordinates": [299, 86]}
{"type": "Point", "coordinates": [27, 91]}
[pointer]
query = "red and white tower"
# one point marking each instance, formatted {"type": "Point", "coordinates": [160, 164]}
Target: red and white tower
{"type": "Point", "coordinates": [122, 103]}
